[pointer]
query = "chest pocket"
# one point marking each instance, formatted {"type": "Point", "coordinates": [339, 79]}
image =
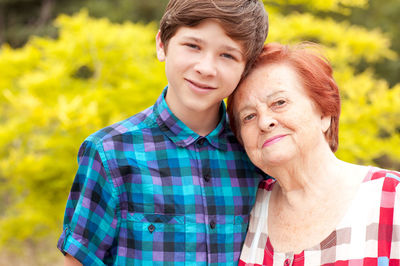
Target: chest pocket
{"type": "Point", "coordinates": [161, 239]}
{"type": "Point", "coordinates": [152, 234]}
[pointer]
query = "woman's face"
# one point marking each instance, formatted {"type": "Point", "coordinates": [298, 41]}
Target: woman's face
{"type": "Point", "coordinates": [277, 120]}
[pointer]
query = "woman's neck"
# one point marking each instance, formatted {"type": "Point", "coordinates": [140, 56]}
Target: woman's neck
{"type": "Point", "coordinates": [311, 177]}
{"type": "Point", "coordinates": [310, 200]}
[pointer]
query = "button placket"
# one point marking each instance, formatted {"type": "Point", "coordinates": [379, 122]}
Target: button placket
{"type": "Point", "coordinates": [151, 228]}
{"type": "Point", "coordinates": [288, 261]}
{"type": "Point", "coordinates": [212, 224]}
{"type": "Point", "coordinates": [200, 142]}
{"type": "Point", "coordinates": [207, 175]}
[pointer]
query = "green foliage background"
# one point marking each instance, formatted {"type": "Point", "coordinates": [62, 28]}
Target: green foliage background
{"type": "Point", "coordinates": [54, 94]}
{"type": "Point", "coordinates": [56, 91]}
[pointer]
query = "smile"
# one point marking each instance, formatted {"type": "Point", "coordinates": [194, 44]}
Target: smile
{"type": "Point", "coordinates": [273, 140]}
{"type": "Point", "coordinates": [199, 86]}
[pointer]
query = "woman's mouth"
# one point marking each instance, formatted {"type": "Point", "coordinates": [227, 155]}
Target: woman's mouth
{"type": "Point", "coordinates": [273, 140]}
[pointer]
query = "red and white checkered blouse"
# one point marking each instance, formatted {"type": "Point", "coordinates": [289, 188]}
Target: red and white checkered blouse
{"type": "Point", "coordinates": [369, 234]}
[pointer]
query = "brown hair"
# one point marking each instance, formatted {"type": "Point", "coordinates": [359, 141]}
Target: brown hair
{"type": "Point", "coordinates": [314, 71]}
{"type": "Point", "coordinates": [245, 21]}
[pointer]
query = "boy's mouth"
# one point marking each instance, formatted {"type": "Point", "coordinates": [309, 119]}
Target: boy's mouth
{"type": "Point", "coordinates": [199, 85]}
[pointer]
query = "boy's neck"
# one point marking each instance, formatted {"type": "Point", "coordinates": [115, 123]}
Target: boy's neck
{"type": "Point", "coordinates": [203, 122]}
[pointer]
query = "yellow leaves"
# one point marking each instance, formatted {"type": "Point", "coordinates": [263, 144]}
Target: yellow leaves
{"type": "Point", "coordinates": [55, 92]}
{"type": "Point", "coordinates": [23, 223]}
{"type": "Point", "coordinates": [346, 44]}
{"type": "Point", "coordinates": [369, 124]}
{"type": "Point", "coordinates": [125, 45]}
{"type": "Point", "coordinates": [18, 60]}
{"type": "Point", "coordinates": [65, 108]}
{"type": "Point", "coordinates": [15, 63]}
{"type": "Point", "coordinates": [339, 6]}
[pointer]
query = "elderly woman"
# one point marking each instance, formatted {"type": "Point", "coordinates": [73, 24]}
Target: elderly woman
{"type": "Point", "coordinates": [318, 210]}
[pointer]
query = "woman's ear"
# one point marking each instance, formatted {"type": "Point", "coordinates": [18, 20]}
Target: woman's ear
{"type": "Point", "coordinates": [325, 123]}
{"type": "Point", "coordinates": [160, 48]}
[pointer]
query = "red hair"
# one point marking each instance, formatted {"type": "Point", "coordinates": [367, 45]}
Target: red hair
{"type": "Point", "coordinates": [315, 73]}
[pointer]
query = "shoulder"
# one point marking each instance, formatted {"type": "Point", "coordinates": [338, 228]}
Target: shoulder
{"type": "Point", "coordinates": [263, 194]}
{"type": "Point", "coordinates": [134, 125]}
{"type": "Point", "coordinates": [380, 191]}
{"type": "Point", "coordinates": [377, 173]}
{"type": "Point", "coordinates": [389, 179]}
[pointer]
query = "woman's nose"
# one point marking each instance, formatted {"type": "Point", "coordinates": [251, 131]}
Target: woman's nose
{"type": "Point", "coordinates": [267, 123]}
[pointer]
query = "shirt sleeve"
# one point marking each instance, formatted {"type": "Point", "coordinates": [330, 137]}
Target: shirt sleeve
{"type": "Point", "coordinates": [90, 220]}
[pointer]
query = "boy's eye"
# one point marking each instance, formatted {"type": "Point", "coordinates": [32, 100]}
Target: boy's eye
{"type": "Point", "coordinates": [192, 45]}
{"type": "Point", "coordinates": [229, 56]}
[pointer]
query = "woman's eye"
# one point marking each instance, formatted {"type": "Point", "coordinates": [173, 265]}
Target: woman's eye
{"type": "Point", "coordinates": [279, 103]}
{"type": "Point", "coordinates": [248, 117]}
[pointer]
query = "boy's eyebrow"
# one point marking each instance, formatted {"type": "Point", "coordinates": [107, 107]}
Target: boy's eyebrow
{"type": "Point", "coordinates": [234, 49]}
{"type": "Point", "coordinates": [192, 38]}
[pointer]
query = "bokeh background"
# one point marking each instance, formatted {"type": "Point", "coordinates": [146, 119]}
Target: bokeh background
{"type": "Point", "coordinates": [71, 67]}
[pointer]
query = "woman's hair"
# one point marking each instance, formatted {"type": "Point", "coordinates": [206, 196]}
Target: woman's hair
{"type": "Point", "coordinates": [245, 21]}
{"type": "Point", "coordinates": [315, 73]}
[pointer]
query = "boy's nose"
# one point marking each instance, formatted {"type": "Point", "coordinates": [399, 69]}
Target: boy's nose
{"type": "Point", "coordinates": [206, 66]}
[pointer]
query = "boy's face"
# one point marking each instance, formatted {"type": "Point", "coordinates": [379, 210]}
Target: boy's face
{"type": "Point", "coordinates": [203, 66]}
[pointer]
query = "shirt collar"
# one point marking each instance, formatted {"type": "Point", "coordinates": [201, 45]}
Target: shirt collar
{"type": "Point", "coordinates": [182, 135]}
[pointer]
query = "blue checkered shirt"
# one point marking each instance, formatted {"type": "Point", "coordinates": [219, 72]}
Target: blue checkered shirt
{"type": "Point", "coordinates": [150, 191]}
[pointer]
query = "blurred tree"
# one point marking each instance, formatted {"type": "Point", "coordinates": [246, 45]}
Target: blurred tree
{"type": "Point", "coordinates": [54, 94]}
{"type": "Point", "coordinates": [384, 15]}
{"type": "Point", "coordinates": [371, 14]}
{"type": "Point", "coordinates": [20, 19]}
{"type": "Point", "coordinates": [93, 73]}
{"type": "Point", "coordinates": [123, 10]}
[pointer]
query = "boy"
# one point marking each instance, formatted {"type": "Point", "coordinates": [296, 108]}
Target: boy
{"type": "Point", "coordinates": [171, 185]}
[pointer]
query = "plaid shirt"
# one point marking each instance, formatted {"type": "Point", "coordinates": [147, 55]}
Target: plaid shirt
{"type": "Point", "coordinates": [369, 233]}
{"type": "Point", "coordinates": [150, 191]}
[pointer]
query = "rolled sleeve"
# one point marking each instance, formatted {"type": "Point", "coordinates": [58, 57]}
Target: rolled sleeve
{"type": "Point", "coordinates": [90, 221]}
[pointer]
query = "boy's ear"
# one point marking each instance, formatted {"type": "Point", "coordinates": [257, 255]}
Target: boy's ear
{"type": "Point", "coordinates": [160, 48]}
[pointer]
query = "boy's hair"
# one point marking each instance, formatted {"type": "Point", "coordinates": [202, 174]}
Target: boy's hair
{"type": "Point", "coordinates": [245, 21]}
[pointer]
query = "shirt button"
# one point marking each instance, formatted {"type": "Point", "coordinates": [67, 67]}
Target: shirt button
{"type": "Point", "coordinates": [200, 142]}
{"type": "Point", "coordinates": [151, 228]}
{"type": "Point", "coordinates": [207, 177]}
{"type": "Point", "coordinates": [287, 262]}
{"type": "Point", "coordinates": [212, 224]}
